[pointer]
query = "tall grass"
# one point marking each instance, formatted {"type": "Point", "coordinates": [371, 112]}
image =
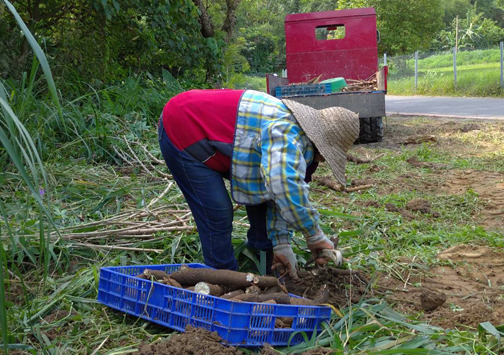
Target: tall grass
{"type": "Point", "coordinates": [24, 155]}
{"type": "Point", "coordinates": [35, 131]}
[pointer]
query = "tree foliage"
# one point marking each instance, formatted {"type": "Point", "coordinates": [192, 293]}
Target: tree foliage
{"type": "Point", "coordinates": [475, 31]}
{"type": "Point", "coordinates": [404, 25]}
{"type": "Point", "coordinates": [209, 40]}
{"type": "Point", "coordinates": [106, 39]}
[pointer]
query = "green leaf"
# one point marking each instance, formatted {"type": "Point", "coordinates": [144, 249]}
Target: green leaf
{"type": "Point", "coordinates": [410, 351]}
{"type": "Point", "coordinates": [351, 233]}
{"type": "Point", "coordinates": [337, 214]}
{"type": "Point", "coordinates": [3, 306]}
{"type": "Point", "coordinates": [171, 81]}
{"type": "Point", "coordinates": [487, 327]}
{"type": "Point", "coordinates": [116, 5]}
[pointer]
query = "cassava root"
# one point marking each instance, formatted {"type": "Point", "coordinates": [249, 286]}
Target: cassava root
{"type": "Point", "coordinates": [208, 289]}
{"type": "Point", "coordinates": [232, 285]}
{"type": "Point", "coordinates": [231, 280]}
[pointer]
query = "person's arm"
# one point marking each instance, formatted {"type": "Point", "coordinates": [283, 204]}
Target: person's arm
{"type": "Point", "coordinates": [283, 167]}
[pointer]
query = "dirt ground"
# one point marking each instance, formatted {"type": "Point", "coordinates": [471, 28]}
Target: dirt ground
{"type": "Point", "coordinates": [468, 280]}
{"type": "Point", "coordinates": [193, 342]}
{"type": "Point", "coordinates": [202, 342]}
{"type": "Point", "coordinates": [472, 281]}
{"type": "Point", "coordinates": [490, 188]}
{"type": "Point", "coordinates": [342, 288]}
{"type": "Point", "coordinates": [461, 139]}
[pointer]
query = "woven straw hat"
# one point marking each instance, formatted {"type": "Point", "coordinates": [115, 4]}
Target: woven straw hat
{"type": "Point", "coordinates": [333, 130]}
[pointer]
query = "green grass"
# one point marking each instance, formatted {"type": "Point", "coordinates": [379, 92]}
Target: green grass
{"type": "Point", "coordinates": [472, 57]}
{"type": "Point", "coordinates": [477, 82]}
{"type": "Point", "coordinates": [478, 74]}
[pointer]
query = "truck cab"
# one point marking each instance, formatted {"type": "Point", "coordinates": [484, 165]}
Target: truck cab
{"type": "Point", "coordinates": [335, 44]}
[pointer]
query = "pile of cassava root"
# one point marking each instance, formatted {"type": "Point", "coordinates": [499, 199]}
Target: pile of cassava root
{"type": "Point", "coordinates": [233, 285]}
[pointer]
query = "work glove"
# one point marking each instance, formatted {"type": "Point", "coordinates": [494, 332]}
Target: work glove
{"type": "Point", "coordinates": [317, 243]}
{"type": "Point", "coordinates": [285, 259]}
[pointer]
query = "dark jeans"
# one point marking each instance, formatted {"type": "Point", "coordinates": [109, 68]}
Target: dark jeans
{"type": "Point", "coordinates": [209, 201]}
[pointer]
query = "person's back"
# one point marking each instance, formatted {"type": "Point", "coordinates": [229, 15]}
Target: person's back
{"type": "Point", "coordinates": [202, 123]}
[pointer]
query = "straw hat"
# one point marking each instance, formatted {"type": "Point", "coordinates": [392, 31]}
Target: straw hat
{"type": "Point", "coordinates": [333, 130]}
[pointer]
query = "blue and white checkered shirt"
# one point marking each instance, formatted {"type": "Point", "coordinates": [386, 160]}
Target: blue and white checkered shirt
{"type": "Point", "coordinates": [270, 157]}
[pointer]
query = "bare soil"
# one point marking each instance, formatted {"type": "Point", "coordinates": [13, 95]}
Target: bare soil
{"type": "Point", "coordinates": [419, 205]}
{"type": "Point", "coordinates": [490, 189]}
{"type": "Point", "coordinates": [472, 288]}
{"type": "Point", "coordinates": [457, 139]}
{"type": "Point", "coordinates": [197, 341]}
{"type": "Point", "coordinates": [467, 286]}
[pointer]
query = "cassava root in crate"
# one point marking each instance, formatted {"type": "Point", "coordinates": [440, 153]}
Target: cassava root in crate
{"type": "Point", "coordinates": [232, 285]}
{"type": "Point", "coordinates": [279, 298]}
{"type": "Point", "coordinates": [208, 289]}
{"type": "Point", "coordinates": [232, 294]}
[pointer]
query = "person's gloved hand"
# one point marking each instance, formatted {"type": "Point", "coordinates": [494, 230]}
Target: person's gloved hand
{"type": "Point", "coordinates": [318, 242]}
{"type": "Point", "coordinates": [285, 259]}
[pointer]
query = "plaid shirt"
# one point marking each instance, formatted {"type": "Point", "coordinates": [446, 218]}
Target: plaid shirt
{"type": "Point", "coordinates": [270, 157]}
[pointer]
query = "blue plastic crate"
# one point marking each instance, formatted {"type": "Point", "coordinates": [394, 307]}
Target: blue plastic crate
{"type": "Point", "coordinates": [302, 90]}
{"type": "Point", "coordinates": [237, 323]}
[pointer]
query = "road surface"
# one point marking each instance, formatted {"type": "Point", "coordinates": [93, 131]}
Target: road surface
{"type": "Point", "coordinates": [456, 107]}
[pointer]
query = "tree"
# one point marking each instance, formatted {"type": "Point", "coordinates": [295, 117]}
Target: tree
{"type": "Point", "coordinates": [207, 27]}
{"type": "Point", "coordinates": [230, 21]}
{"type": "Point", "coordinates": [454, 8]}
{"type": "Point", "coordinates": [405, 25]}
{"type": "Point", "coordinates": [105, 39]}
{"type": "Point", "coordinates": [261, 23]}
{"type": "Point", "coordinates": [491, 9]}
{"type": "Point", "coordinates": [475, 31]}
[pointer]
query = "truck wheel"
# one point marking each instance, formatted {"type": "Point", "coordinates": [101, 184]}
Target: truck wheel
{"type": "Point", "coordinates": [371, 130]}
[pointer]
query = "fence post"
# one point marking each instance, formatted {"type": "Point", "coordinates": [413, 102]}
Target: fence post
{"type": "Point", "coordinates": [384, 59]}
{"type": "Point", "coordinates": [502, 63]}
{"type": "Point", "coordinates": [455, 66]}
{"type": "Point", "coordinates": [416, 70]}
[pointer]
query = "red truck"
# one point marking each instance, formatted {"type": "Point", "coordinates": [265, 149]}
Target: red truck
{"type": "Point", "coordinates": [335, 44]}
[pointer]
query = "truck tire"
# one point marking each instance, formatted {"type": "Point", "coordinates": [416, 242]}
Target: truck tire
{"type": "Point", "coordinates": [371, 130]}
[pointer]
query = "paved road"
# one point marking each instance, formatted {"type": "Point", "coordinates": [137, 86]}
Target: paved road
{"type": "Point", "coordinates": [456, 107]}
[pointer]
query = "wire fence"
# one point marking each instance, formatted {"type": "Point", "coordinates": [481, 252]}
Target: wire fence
{"type": "Point", "coordinates": [477, 72]}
